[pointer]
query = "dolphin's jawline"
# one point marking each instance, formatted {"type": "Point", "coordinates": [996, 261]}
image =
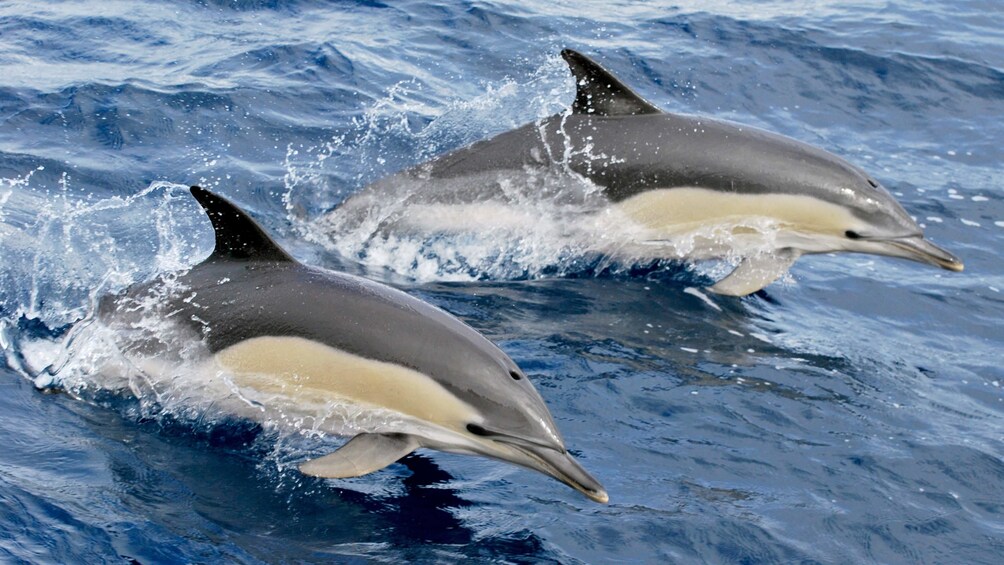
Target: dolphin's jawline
{"type": "Point", "coordinates": [562, 466]}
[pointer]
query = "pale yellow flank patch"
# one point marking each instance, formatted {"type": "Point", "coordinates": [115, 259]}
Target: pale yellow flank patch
{"type": "Point", "coordinates": [679, 210]}
{"type": "Point", "coordinates": [300, 368]}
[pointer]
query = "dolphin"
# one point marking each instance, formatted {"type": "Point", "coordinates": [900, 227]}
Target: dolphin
{"type": "Point", "coordinates": [727, 190]}
{"type": "Point", "coordinates": [315, 337]}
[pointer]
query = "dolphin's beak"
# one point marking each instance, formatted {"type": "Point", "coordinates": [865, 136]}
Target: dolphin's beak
{"type": "Point", "coordinates": [561, 466]}
{"type": "Point", "coordinates": [919, 249]}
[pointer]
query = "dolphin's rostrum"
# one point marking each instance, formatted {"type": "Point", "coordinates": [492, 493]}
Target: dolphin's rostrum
{"type": "Point", "coordinates": [729, 190]}
{"type": "Point", "coordinates": [315, 336]}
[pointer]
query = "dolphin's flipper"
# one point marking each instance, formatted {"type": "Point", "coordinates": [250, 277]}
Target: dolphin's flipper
{"type": "Point", "coordinates": [600, 93]}
{"type": "Point", "coordinates": [755, 273]}
{"type": "Point", "coordinates": [362, 454]}
{"type": "Point", "coordinates": [237, 235]}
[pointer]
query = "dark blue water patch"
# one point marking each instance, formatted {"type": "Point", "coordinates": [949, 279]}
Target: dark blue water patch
{"type": "Point", "coordinates": [33, 328]}
{"type": "Point", "coordinates": [46, 460]}
{"type": "Point", "coordinates": [81, 39]}
{"type": "Point", "coordinates": [661, 271]}
{"type": "Point", "coordinates": [295, 62]}
{"type": "Point", "coordinates": [137, 122]}
{"type": "Point", "coordinates": [23, 511]}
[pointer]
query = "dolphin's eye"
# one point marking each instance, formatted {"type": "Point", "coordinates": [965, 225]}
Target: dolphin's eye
{"type": "Point", "coordinates": [477, 430]}
{"type": "Point", "coordinates": [515, 376]}
{"type": "Point", "coordinates": [852, 234]}
{"type": "Point", "coordinates": [873, 183]}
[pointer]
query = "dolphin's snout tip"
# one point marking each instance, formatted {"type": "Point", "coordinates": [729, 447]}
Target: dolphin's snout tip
{"type": "Point", "coordinates": [920, 249]}
{"type": "Point", "coordinates": [600, 496]}
{"type": "Point", "coordinates": [563, 467]}
{"type": "Point", "coordinates": [591, 488]}
{"type": "Point", "coordinates": [567, 470]}
{"type": "Point", "coordinates": [942, 258]}
{"type": "Point", "coordinates": [957, 266]}
{"type": "Point", "coordinates": [952, 263]}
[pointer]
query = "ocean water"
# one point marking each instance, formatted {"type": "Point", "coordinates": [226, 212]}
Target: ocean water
{"type": "Point", "coordinates": [851, 413]}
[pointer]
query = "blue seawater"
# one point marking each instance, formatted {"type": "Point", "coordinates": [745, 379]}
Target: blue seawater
{"type": "Point", "coordinates": [853, 413]}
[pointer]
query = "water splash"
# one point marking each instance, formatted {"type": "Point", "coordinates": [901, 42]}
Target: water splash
{"type": "Point", "coordinates": [68, 330]}
{"type": "Point", "coordinates": [404, 127]}
{"type": "Point", "coordinates": [64, 249]}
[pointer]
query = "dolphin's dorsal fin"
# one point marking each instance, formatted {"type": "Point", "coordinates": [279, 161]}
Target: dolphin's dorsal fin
{"type": "Point", "coordinates": [599, 93]}
{"type": "Point", "coordinates": [237, 235]}
{"type": "Point", "coordinates": [362, 454]}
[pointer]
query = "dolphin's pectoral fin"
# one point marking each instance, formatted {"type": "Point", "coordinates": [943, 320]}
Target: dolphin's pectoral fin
{"type": "Point", "coordinates": [755, 273]}
{"type": "Point", "coordinates": [362, 454]}
{"type": "Point", "coordinates": [599, 93]}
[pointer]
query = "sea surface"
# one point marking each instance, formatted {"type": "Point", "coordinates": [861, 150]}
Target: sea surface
{"type": "Point", "coordinates": [851, 413]}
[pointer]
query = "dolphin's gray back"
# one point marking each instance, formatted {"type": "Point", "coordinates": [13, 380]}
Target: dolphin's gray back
{"type": "Point", "coordinates": [632, 154]}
